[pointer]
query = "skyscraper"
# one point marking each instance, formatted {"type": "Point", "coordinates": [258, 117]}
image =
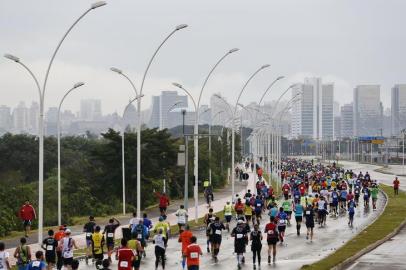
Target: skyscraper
{"type": "Point", "coordinates": [367, 110]}
{"type": "Point", "coordinates": [51, 121]}
{"type": "Point", "coordinates": [313, 114]}
{"type": "Point", "coordinates": [347, 121]}
{"type": "Point", "coordinates": [90, 109]}
{"type": "Point", "coordinates": [5, 118]}
{"type": "Point", "coordinates": [155, 112]}
{"type": "Point", "coordinates": [20, 118]}
{"type": "Point", "coordinates": [398, 108]}
{"type": "Point", "coordinates": [168, 100]}
{"type": "Point", "coordinates": [33, 118]}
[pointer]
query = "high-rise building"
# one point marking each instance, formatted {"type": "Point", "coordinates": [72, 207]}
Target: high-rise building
{"type": "Point", "coordinates": [347, 121]}
{"type": "Point", "coordinates": [367, 110]}
{"type": "Point", "coordinates": [130, 117]}
{"type": "Point", "coordinates": [170, 100]}
{"type": "Point", "coordinates": [90, 109]}
{"type": "Point", "coordinates": [33, 118]}
{"type": "Point", "coordinates": [217, 106]}
{"type": "Point", "coordinates": [155, 112]}
{"type": "Point", "coordinates": [51, 123]}
{"type": "Point", "coordinates": [20, 118]}
{"type": "Point", "coordinates": [204, 115]}
{"type": "Point", "coordinates": [5, 118]}
{"type": "Point", "coordinates": [313, 114]}
{"type": "Point", "coordinates": [398, 108]}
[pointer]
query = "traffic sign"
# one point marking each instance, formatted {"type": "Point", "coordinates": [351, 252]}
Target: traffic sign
{"type": "Point", "coordinates": [245, 176]}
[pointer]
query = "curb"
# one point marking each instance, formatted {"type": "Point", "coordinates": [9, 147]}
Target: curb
{"type": "Point", "coordinates": [350, 260]}
{"type": "Point", "coordinates": [381, 170]}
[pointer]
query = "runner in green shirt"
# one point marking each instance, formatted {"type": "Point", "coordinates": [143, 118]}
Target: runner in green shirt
{"type": "Point", "coordinates": [374, 195]}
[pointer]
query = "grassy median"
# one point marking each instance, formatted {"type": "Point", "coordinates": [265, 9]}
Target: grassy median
{"type": "Point", "coordinates": [393, 215]}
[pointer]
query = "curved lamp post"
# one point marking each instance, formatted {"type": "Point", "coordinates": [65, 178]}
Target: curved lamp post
{"type": "Point", "coordinates": [77, 85]}
{"type": "Point", "coordinates": [41, 116]}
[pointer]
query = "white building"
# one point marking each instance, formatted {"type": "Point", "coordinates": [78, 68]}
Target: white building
{"type": "Point", "coordinates": [90, 109]}
{"type": "Point", "coordinates": [20, 118]}
{"type": "Point", "coordinates": [347, 121]}
{"type": "Point", "coordinates": [313, 114]}
{"type": "Point", "coordinates": [5, 118]}
{"type": "Point", "coordinates": [33, 118]}
{"type": "Point", "coordinates": [398, 108]}
{"type": "Point", "coordinates": [367, 110]}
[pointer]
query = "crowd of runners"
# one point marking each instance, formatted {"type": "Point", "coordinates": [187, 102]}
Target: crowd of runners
{"type": "Point", "coordinates": [308, 193]}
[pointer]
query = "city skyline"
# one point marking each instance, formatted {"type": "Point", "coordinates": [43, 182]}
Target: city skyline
{"type": "Point", "coordinates": [321, 35]}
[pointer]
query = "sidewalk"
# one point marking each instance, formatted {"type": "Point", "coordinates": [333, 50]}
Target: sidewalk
{"type": "Point", "coordinates": [221, 197]}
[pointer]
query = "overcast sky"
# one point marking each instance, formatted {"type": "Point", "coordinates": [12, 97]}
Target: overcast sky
{"type": "Point", "coordinates": [346, 42]}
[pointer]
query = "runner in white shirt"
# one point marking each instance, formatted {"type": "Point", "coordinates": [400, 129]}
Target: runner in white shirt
{"type": "Point", "coordinates": [133, 221]}
{"type": "Point", "coordinates": [160, 248]}
{"type": "Point", "coordinates": [182, 215]}
{"type": "Point", "coordinates": [4, 255]}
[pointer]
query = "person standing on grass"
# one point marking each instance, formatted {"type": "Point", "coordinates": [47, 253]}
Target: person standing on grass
{"type": "Point", "coordinates": [396, 184]}
{"type": "Point", "coordinates": [27, 215]}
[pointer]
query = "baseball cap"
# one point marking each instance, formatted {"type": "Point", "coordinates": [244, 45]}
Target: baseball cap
{"type": "Point", "coordinates": [67, 231]}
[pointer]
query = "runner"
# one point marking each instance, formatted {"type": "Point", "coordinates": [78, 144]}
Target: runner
{"type": "Point", "coordinates": [4, 255]}
{"type": "Point", "coordinates": [248, 211]}
{"type": "Point", "coordinates": [147, 223]}
{"type": "Point", "coordinates": [58, 236]}
{"type": "Point", "coordinates": [192, 254]}
{"type": "Point", "coordinates": [125, 256]}
{"type": "Point", "coordinates": [351, 212]}
{"type": "Point", "coordinates": [240, 239]}
{"type": "Point", "coordinates": [281, 221]}
{"type": "Point", "coordinates": [208, 194]}
{"type": "Point", "coordinates": [97, 241]}
{"type": "Point", "coordinates": [164, 226]}
{"type": "Point", "coordinates": [160, 248]}
{"type": "Point", "coordinates": [49, 245]}
{"type": "Point", "coordinates": [215, 237]}
{"type": "Point", "coordinates": [298, 209]}
{"type": "Point", "coordinates": [334, 195]}
{"type": "Point", "coordinates": [367, 194]}
{"type": "Point", "coordinates": [163, 202]}
{"type": "Point", "coordinates": [133, 221]}
{"type": "Point", "coordinates": [27, 215]}
{"type": "Point", "coordinates": [88, 229]}
{"type": "Point", "coordinates": [141, 231]}
{"type": "Point", "coordinates": [322, 211]}
{"type": "Point", "coordinates": [396, 184]}
{"type": "Point", "coordinates": [184, 238]}
{"type": "Point", "coordinates": [259, 206]}
{"type": "Point", "coordinates": [239, 208]}
{"type": "Point", "coordinates": [67, 244]}
{"type": "Point", "coordinates": [287, 206]}
{"type": "Point", "coordinates": [228, 213]}
{"type": "Point", "coordinates": [256, 245]}
{"type": "Point", "coordinates": [109, 230]}
{"type": "Point", "coordinates": [38, 263]}
{"type": "Point", "coordinates": [137, 249]}
{"type": "Point", "coordinates": [182, 215]}
{"type": "Point", "coordinates": [208, 219]}
{"type": "Point", "coordinates": [309, 215]}
{"type": "Point", "coordinates": [374, 196]}
{"type": "Point", "coordinates": [23, 254]}
{"type": "Point", "coordinates": [272, 238]}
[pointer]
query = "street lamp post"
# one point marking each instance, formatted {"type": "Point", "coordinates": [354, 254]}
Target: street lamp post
{"type": "Point", "coordinates": [41, 116]}
{"type": "Point", "coordinates": [233, 129]}
{"type": "Point", "coordinates": [77, 85]}
{"type": "Point", "coordinates": [177, 28]}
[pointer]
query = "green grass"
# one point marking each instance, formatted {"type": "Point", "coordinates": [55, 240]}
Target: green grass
{"type": "Point", "coordinates": [393, 215]}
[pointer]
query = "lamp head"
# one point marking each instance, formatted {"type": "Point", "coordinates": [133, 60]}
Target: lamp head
{"type": "Point", "coordinates": [119, 71]}
{"type": "Point", "coordinates": [12, 57]}
{"type": "Point", "coordinates": [265, 66]}
{"type": "Point", "coordinates": [98, 4]}
{"type": "Point", "coordinates": [280, 78]}
{"type": "Point", "coordinates": [181, 26]}
{"type": "Point", "coordinates": [78, 84]}
{"type": "Point", "coordinates": [177, 85]}
{"type": "Point", "coordinates": [239, 104]}
{"type": "Point", "coordinates": [233, 50]}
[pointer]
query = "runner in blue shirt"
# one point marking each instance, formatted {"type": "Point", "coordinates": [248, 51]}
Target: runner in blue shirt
{"type": "Point", "coordinates": [298, 209]}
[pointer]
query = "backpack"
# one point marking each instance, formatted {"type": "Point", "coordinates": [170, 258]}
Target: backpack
{"type": "Point", "coordinates": [23, 255]}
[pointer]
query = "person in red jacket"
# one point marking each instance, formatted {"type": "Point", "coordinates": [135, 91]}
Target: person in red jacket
{"type": "Point", "coordinates": [27, 215]}
{"type": "Point", "coordinates": [396, 184]}
{"type": "Point", "coordinates": [163, 202]}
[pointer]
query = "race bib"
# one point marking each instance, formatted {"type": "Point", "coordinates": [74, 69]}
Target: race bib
{"type": "Point", "coordinates": [270, 232]}
{"type": "Point", "coordinates": [296, 196]}
{"type": "Point", "coordinates": [239, 236]}
{"type": "Point", "coordinates": [218, 232]}
{"type": "Point", "coordinates": [258, 205]}
{"type": "Point", "coordinates": [286, 189]}
{"type": "Point", "coordinates": [307, 212]}
{"type": "Point", "coordinates": [36, 263]}
{"type": "Point", "coordinates": [50, 248]}
{"type": "Point", "coordinates": [181, 219]}
{"type": "Point", "coordinates": [282, 221]}
{"type": "Point", "coordinates": [139, 236]}
{"type": "Point", "coordinates": [110, 235]}
{"type": "Point", "coordinates": [123, 264]}
{"type": "Point", "coordinates": [194, 255]}
{"type": "Point", "coordinates": [88, 234]}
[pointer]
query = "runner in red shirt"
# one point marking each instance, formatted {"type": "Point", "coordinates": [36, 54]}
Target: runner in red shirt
{"type": "Point", "coordinates": [192, 254]}
{"type": "Point", "coordinates": [125, 256]}
{"type": "Point", "coordinates": [272, 238]}
{"type": "Point", "coordinates": [285, 190]}
{"type": "Point", "coordinates": [184, 238]}
{"type": "Point", "coordinates": [163, 202]}
{"type": "Point", "coordinates": [302, 189]}
{"type": "Point", "coordinates": [27, 215]}
{"type": "Point", "coordinates": [350, 196]}
{"type": "Point", "coordinates": [396, 184]}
